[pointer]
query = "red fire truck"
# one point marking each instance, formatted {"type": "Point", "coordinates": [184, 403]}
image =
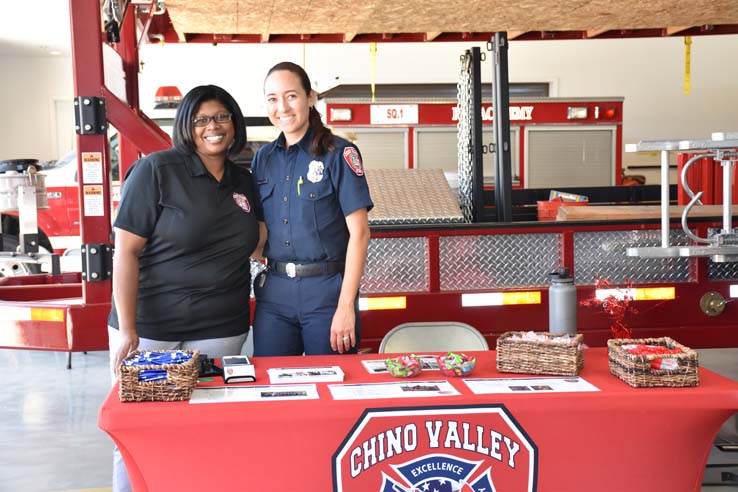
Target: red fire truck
{"type": "Point", "coordinates": [555, 142]}
{"type": "Point", "coordinates": [490, 275]}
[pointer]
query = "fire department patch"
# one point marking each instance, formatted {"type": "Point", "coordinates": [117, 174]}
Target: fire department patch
{"type": "Point", "coordinates": [242, 201]}
{"type": "Point", "coordinates": [352, 158]}
{"type": "Point", "coordinates": [475, 448]}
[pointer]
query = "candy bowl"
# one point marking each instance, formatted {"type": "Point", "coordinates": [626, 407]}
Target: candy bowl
{"type": "Point", "coordinates": [453, 364]}
{"type": "Point", "coordinates": [404, 366]}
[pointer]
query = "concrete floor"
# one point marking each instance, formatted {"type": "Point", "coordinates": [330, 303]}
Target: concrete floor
{"type": "Point", "coordinates": [49, 439]}
{"type": "Point", "coordinates": [50, 442]}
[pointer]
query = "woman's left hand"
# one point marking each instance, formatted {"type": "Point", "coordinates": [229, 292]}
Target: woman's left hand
{"type": "Point", "coordinates": [343, 333]}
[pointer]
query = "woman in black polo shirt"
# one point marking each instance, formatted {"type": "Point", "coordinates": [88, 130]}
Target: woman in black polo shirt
{"type": "Point", "coordinates": [186, 226]}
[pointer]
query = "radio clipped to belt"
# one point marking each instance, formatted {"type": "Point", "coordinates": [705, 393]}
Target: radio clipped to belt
{"type": "Point", "coordinates": [261, 278]}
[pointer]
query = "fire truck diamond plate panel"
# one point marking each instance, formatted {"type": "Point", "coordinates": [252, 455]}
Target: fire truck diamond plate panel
{"type": "Point", "coordinates": [723, 271]}
{"type": "Point", "coordinates": [396, 264]}
{"type": "Point", "coordinates": [603, 254]}
{"type": "Point", "coordinates": [506, 260]}
{"type": "Point", "coordinates": [411, 196]}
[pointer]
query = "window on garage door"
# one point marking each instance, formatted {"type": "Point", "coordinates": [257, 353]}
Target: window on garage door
{"type": "Point", "coordinates": [436, 149]}
{"type": "Point", "coordinates": [380, 148]}
{"type": "Point", "coordinates": [576, 157]}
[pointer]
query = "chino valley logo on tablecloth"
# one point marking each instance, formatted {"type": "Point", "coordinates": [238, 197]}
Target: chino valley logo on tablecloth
{"type": "Point", "coordinates": [478, 448]}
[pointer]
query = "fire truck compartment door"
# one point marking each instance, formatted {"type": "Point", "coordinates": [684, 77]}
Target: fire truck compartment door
{"type": "Point", "coordinates": [380, 148]}
{"type": "Point", "coordinates": [437, 149]}
{"type": "Point", "coordinates": [570, 157]}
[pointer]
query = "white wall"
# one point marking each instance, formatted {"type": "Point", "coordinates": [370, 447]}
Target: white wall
{"type": "Point", "coordinates": [648, 73]}
{"type": "Point", "coordinates": [28, 89]}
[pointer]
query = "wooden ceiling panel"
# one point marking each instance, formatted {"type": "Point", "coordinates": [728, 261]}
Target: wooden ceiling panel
{"type": "Point", "coordinates": [275, 17]}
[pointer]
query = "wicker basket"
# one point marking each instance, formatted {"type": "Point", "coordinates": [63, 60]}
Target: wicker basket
{"type": "Point", "coordinates": [640, 371]}
{"type": "Point", "coordinates": [539, 357]}
{"type": "Point", "coordinates": [181, 380]}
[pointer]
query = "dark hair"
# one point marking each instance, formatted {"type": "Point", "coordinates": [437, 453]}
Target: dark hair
{"type": "Point", "coordinates": [182, 133]}
{"type": "Point", "coordinates": [322, 142]}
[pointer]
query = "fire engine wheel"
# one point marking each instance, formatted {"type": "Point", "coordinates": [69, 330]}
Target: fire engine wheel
{"type": "Point", "coordinates": [12, 267]}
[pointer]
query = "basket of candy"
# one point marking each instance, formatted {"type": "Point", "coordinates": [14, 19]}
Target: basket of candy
{"type": "Point", "coordinates": [163, 375]}
{"type": "Point", "coordinates": [453, 364]}
{"type": "Point", "coordinates": [404, 366]}
{"type": "Point", "coordinates": [540, 353]}
{"type": "Point", "coordinates": [651, 362]}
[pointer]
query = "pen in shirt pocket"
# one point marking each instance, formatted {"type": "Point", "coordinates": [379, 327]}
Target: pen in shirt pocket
{"type": "Point", "coordinates": [299, 183]}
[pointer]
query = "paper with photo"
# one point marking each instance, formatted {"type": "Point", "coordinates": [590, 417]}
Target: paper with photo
{"type": "Point", "coordinates": [230, 394]}
{"type": "Point", "coordinates": [279, 375]}
{"type": "Point", "coordinates": [402, 389]}
{"type": "Point", "coordinates": [567, 384]}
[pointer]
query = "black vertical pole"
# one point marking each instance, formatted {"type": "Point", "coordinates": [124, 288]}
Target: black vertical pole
{"type": "Point", "coordinates": [476, 124]}
{"type": "Point", "coordinates": [500, 106]}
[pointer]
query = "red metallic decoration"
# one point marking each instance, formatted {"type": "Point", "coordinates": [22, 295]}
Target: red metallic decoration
{"type": "Point", "coordinates": [617, 308]}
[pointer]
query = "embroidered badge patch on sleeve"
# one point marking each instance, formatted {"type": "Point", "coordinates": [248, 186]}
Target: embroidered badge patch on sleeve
{"type": "Point", "coordinates": [352, 158]}
{"type": "Point", "coordinates": [242, 201]}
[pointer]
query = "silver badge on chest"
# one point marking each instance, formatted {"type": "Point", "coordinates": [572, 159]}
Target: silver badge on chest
{"type": "Point", "coordinates": [315, 171]}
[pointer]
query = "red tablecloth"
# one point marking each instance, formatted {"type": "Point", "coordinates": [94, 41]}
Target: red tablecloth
{"type": "Point", "coordinates": [618, 439]}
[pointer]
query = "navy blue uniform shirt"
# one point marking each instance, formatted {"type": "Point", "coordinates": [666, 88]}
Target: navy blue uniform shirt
{"type": "Point", "coordinates": [307, 198]}
{"type": "Point", "coordinates": [194, 272]}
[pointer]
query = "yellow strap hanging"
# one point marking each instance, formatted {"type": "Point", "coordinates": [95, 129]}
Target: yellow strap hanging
{"type": "Point", "coordinates": [372, 66]}
{"type": "Point", "coordinates": [687, 62]}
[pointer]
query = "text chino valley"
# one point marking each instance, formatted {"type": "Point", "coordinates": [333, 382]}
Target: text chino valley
{"type": "Point", "coordinates": [439, 435]}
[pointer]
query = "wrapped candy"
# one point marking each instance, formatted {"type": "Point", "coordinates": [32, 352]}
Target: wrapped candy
{"type": "Point", "coordinates": [642, 349]}
{"type": "Point", "coordinates": [404, 366]}
{"type": "Point", "coordinates": [665, 364]}
{"type": "Point", "coordinates": [453, 364]}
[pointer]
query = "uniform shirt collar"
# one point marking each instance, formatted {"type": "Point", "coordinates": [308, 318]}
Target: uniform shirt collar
{"type": "Point", "coordinates": [194, 164]}
{"type": "Point", "coordinates": [305, 142]}
{"type": "Point", "coordinates": [197, 168]}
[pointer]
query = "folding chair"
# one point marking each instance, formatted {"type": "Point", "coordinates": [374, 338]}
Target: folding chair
{"type": "Point", "coordinates": [433, 337]}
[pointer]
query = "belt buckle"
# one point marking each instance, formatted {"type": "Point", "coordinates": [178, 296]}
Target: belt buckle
{"type": "Point", "coordinates": [291, 270]}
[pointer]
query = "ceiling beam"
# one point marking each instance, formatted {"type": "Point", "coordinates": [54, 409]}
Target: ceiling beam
{"type": "Point", "coordinates": [670, 31]}
{"type": "Point", "coordinates": [593, 33]}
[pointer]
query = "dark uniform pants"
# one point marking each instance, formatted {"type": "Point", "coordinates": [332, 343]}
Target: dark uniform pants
{"type": "Point", "coordinates": [293, 315]}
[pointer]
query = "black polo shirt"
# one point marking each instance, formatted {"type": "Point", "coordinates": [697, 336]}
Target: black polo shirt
{"type": "Point", "coordinates": [194, 272]}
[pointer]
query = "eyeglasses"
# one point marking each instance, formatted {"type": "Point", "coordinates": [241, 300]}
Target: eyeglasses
{"type": "Point", "coordinates": [205, 120]}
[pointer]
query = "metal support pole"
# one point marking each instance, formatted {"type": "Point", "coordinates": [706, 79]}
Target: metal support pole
{"type": "Point", "coordinates": [664, 198]}
{"type": "Point", "coordinates": [727, 195]}
{"type": "Point", "coordinates": [476, 124]}
{"type": "Point", "coordinates": [89, 82]}
{"type": "Point", "coordinates": [128, 50]}
{"type": "Point", "coordinates": [501, 108]}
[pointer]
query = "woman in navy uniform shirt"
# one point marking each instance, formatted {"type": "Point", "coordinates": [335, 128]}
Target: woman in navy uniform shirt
{"type": "Point", "coordinates": [316, 200]}
{"type": "Point", "coordinates": [186, 225]}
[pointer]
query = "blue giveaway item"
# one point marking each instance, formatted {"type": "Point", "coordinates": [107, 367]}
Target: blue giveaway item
{"type": "Point", "coordinates": [150, 358]}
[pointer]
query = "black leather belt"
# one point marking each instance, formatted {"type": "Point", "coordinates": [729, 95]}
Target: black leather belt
{"type": "Point", "coordinates": [293, 270]}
